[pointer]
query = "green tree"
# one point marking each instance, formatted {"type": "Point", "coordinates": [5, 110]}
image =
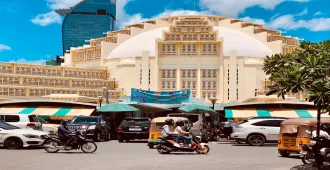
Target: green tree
{"type": "Point", "coordinates": [306, 70]}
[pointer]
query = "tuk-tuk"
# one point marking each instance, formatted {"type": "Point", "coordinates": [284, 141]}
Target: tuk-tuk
{"type": "Point", "coordinates": [156, 129]}
{"type": "Point", "coordinates": [293, 134]}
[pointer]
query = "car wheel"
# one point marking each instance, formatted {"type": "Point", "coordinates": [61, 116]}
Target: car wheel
{"type": "Point", "coordinates": [108, 138]}
{"type": "Point", "coordinates": [284, 153]}
{"type": "Point", "coordinates": [97, 137]}
{"type": "Point", "coordinates": [120, 139]}
{"type": "Point", "coordinates": [127, 140]}
{"type": "Point", "coordinates": [256, 140]}
{"type": "Point", "coordinates": [13, 143]}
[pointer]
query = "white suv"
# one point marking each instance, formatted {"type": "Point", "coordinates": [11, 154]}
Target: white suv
{"type": "Point", "coordinates": [22, 121]}
{"type": "Point", "coordinates": [258, 131]}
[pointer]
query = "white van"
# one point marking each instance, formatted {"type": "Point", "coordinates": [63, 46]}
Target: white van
{"type": "Point", "coordinates": [197, 120]}
{"type": "Point", "coordinates": [22, 121]}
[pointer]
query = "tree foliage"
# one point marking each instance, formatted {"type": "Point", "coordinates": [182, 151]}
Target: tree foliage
{"type": "Point", "coordinates": [306, 70]}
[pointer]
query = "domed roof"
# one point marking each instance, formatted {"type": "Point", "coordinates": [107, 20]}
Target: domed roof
{"type": "Point", "coordinates": [243, 44]}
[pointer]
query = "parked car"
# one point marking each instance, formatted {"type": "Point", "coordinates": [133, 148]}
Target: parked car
{"type": "Point", "coordinates": [199, 123]}
{"type": "Point", "coordinates": [256, 132]}
{"type": "Point", "coordinates": [22, 121]}
{"type": "Point", "coordinates": [13, 137]}
{"type": "Point", "coordinates": [132, 128]}
{"type": "Point", "coordinates": [99, 128]}
{"type": "Point", "coordinates": [49, 127]}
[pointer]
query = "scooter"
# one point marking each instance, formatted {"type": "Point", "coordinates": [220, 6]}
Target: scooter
{"type": "Point", "coordinates": [167, 146]}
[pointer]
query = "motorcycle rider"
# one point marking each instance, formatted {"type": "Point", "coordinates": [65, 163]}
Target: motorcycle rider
{"type": "Point", "coordinates": [324, 129]}
{"type": "Point", "coordinates": [166, 133]}
{"type": "Point", "coordinates": [64, 133]}
{"type": "Point", "coordinates": [182, 134]}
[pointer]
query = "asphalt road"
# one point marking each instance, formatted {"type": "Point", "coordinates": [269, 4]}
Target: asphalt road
{"type": "Point", "coordinates": [137, 156]}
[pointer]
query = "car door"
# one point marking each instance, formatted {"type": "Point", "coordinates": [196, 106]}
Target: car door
{"type": "Point", "coordinates": [273, 129]}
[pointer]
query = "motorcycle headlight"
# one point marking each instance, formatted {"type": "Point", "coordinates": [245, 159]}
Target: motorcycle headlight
{"type": "Point", "coordinates": [31, 136]}
{"type": "Point", "coordinates": [312, 143]}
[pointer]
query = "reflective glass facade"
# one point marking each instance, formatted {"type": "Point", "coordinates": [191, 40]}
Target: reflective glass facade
{"type": "Point", "coordinates": [86, 20]}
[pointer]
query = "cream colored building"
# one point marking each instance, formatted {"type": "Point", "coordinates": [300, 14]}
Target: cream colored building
{"type": "Point", "coordinates": [26, 81]}
{"type": "Point", "coordinates": [214, 56]}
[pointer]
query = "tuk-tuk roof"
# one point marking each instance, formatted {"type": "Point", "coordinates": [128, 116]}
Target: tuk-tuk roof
{"type": "Point", "coordinates": [162, 119]}
{"type": "Point", "coordinates": [304, 121]}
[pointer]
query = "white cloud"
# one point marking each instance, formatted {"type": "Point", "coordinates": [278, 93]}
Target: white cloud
{"type": "Point", "coordinates": [47, 19]}
{"type": "Point", "coordinates": [24, 61]}
{"type": "Point", "coordinates": [60, 4]}
{"type": "Point", "coordinates": [52, 17]}
{"type": "Point", "coordinates": [254, 20]}
{"type": "Point", "coordinates": [290, 22]}
{"type": "Point", "coordinates": [318, 13]}
{"type": "Point", "coordinates": [4, 48]}
{"type": "Point", "coordinates": [234, 7]}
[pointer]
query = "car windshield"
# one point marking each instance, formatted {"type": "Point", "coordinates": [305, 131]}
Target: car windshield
{"type": "Point", "coordinates": [89, 120]}
{"type": "Point", "coordinates": [7, 126]}
{"type": "Point", "coordinates": [135, 122]}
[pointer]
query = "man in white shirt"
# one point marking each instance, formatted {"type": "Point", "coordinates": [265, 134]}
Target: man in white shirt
{"type": "Point", "coordinates": [323, 132]}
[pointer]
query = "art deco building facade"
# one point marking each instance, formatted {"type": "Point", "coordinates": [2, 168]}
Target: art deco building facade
{"type": "Point", "coordinates": [88, 19]}
{"type": "Point", "coordinates": [24, 81]}
{"type": "Point", "coordinates": [213, 56]}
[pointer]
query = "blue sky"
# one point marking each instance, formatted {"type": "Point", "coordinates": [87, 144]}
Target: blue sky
{"type": "Point", "coordinates": [31, 32]}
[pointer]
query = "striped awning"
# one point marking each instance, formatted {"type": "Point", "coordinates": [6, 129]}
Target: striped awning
{"type": "Point", "coordinates": [48, 110]}
{"type": "Point", "coordinates": [289, 113]}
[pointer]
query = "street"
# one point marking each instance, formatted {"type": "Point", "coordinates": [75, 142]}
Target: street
{"type": "Point", "coordinates": [136, 155]}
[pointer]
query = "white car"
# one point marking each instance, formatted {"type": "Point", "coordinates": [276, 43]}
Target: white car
{"type": "Point", "coordinates": [22, 121]}
{"type": "Point", "coordinates": [257, 131]}
{"type": "Point", "coordinates": [12, 137]}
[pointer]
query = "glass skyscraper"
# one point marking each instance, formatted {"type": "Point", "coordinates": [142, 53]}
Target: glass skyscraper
{"type": "Point", "coordinates": [86, 20]}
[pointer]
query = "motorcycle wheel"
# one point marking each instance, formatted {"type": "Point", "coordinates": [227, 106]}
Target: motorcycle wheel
{"type": "Point", "coordinates": [89, 147]}
{"type": "Point", "coordinates": [50, 146]}
{"type": "Point", "coordinates": [161, 150]}
{"type": "Point", "coordinates": [307, 158]}
{"type": "Point", "coordinates": [203, 150]}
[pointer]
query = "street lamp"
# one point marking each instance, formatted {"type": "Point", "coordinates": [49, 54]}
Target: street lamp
{"type": "Point", "coordinates": [100, 100]}
{"type": "Point", "coordinates": [213, 101]}
{"type": "Point", "coordinates": [106, 89]}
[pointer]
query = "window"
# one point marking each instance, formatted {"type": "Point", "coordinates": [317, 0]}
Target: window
{"type": "Point", "coordinates": [101, 12]}
{"type": "Point", "coordinates": [12, 118]}
{"type": "Point", "coordinates": [269, 123]}
{"type": "Point", "coordinates": [33, 118]}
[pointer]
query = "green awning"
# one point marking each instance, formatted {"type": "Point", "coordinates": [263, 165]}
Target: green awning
{"type": "Point", "coordinates": [117, 107]}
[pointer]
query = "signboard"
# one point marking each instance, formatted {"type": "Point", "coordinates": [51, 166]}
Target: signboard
{"type": "Point", "coordinates": [166, 97]}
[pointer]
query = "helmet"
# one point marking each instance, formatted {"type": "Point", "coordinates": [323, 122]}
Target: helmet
{"type": "Point", "coordinates": [179, 123]}
{"type": "Point", "coordinates": [64, 122]}
{"type": "Point", "coordinates": [169, 121]}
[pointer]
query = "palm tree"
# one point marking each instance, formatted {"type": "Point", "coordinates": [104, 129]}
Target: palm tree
{"type": "Point", "coordinates": [305, 71]}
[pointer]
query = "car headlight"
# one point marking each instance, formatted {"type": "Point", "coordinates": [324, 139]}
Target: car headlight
{"type": "Point", "coordinates": [31, 136]}
{"type": "Point", "coordinates": [92, 127]}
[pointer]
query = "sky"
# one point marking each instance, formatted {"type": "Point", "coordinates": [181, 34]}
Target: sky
{"type": "Point", "coordinates": [30, 30]}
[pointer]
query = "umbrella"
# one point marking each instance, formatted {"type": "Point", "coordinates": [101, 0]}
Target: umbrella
{"type": "Point", "coordinates": [194, 108]}
{"type": "Point", "coordinates": [117, 107]}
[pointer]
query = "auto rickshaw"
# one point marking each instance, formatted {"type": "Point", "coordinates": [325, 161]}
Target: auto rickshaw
{"type": "Point", "coordinates": [293, 134]}
{"type": "Point", "coordinates": [156, 129]}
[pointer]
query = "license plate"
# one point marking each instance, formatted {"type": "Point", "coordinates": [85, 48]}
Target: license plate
{"type": "Point", "coordinates": [135, 129]}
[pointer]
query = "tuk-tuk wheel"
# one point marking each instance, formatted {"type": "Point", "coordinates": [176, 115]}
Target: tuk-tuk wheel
{"type": "Point", "coordinates": [151, 146]}
{"type": "Point", "coordinates": [120, 139]}
{"type": "Point", "coordinates": [284, 153]}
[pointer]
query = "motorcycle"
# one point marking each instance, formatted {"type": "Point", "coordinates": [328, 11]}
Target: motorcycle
{"type": "Point", "coordinates": [307, 154]}
{"type": "Point", "coordinates": [168, 146]}
{"type": "Point", "coordinates": [321, 153]}
{"type": "Point", "coordinates": [213, 134]}
{"type": "Point", "coordinates": [53, 144]}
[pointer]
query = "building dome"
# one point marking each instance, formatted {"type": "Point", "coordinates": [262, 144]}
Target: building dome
{"type": "Point", "coordinates": [232, 39]}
